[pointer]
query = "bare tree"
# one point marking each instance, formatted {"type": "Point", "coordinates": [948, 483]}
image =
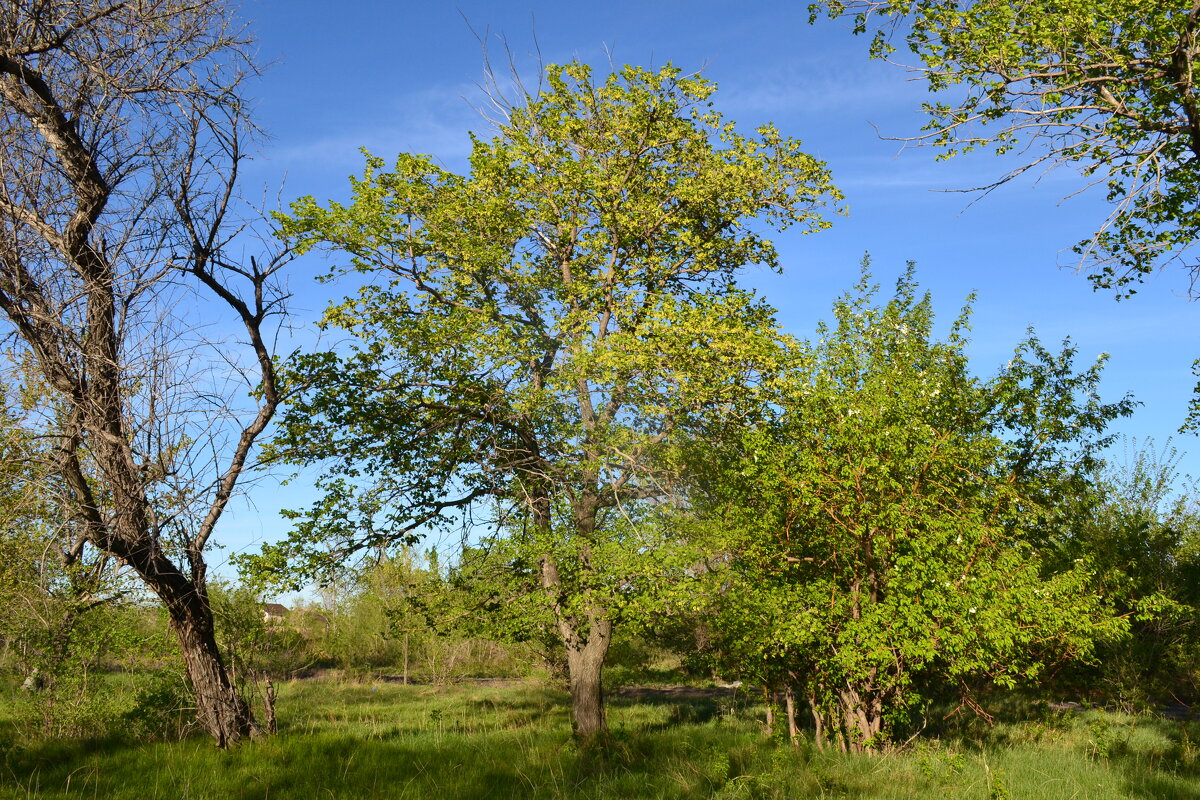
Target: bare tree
{"type": "Point", "coordinates": [121, 135]}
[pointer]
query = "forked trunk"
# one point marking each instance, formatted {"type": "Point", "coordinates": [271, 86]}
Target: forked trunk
{"type": "Point", "coordinates": [862, 719]}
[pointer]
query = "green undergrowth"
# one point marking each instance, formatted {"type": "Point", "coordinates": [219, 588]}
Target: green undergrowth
{"type": "Point", "coordinates": [390, 741]}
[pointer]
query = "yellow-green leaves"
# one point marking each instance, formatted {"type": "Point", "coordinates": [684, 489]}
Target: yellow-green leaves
{"type": "Point", "coordinates": [535, 333]}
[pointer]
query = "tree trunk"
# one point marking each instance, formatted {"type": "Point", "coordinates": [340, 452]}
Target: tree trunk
{"type": "Point", "coordinates": [220, 710]}
{"type": "Point", "coordinates": [406, 658]}
{"type": "Point", "coordinates": [862, 718]}
{"type": "Point", "coordinates": [269, 704]}
{"type": "Point", "coordinates": [818, 720]}
{"type": "Point", "coordinates": [789, 695]}
{"type": "Point", "coordinates": [585, 662]}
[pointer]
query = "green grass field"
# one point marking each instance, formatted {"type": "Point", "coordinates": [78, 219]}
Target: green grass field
{"type": "Point", "coordinates": [340, 740]}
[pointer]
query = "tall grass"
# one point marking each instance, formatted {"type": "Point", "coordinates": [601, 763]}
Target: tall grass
{"type": "Point", "coordinates": [390, 741]}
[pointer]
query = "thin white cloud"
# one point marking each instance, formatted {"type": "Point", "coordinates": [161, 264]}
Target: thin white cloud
{"type": "Point", "coordinates": [806, 86]}
{"type": "Point", "coordinates": [434, 121]}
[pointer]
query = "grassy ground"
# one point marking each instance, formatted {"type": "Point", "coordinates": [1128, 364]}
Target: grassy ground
{"type": "Point", "coordinates": [389, 741]}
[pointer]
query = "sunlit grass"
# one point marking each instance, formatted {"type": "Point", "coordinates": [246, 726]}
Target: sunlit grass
{"type": "Point", "coordinates": [389, 741]}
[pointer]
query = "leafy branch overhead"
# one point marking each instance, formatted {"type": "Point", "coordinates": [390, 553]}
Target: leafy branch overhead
{"type": "Point", "coordinates": [1107, 86]}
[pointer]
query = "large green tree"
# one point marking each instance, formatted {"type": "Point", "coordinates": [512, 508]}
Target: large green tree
{"type": "Point", "coordinates": [534, 333]}
{"type": "Point", "coordinates": [876, 533]}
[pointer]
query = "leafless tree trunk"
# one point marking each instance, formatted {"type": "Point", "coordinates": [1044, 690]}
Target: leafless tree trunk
{"type": "Point", "coordinates": [120, 139]}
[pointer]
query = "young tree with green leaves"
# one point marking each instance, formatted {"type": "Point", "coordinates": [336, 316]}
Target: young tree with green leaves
{"type": "Point", "coordinates": [875, 531]}
{"type": "Point", "coordinates": [535, 333]}
{"type": "Point", "coordinates": [1139, 527]}
{"type": "Point", "coordinates": [48, 585]}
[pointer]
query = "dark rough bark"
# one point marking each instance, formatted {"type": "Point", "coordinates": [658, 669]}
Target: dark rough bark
{"type": "Point", "coordinates": [220, 710]}
{"type": "Point", "coordinates": [585, 663]}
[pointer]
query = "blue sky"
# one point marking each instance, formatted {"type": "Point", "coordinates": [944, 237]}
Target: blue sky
{"type": "Point", "coordinates": [401, 76]}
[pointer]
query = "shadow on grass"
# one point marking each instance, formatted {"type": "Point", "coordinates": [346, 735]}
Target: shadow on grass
{"type": "Point", "coordinates": [1153, 787]}
{"type": "Point", "coordinates": [687, 705]}
{"type": "Point", "coordinates": [677, 742]}
{"type": "Point", "coordinates": [545, 765]}
{"type": "Point", "coordinates": [1166, 765]}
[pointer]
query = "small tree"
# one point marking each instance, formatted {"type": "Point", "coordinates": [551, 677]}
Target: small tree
{"type": "Point", "coordinates": [876, 532]}
{"type": "Point", "coordinates": [46, 590]}
{"type": "Point", "coordinates": [1140, 528]}
{"type": "Point", "coordinates": [544, 326]}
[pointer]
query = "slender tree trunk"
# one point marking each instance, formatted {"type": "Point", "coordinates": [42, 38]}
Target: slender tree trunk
{"type": "Point", "coordinates": [406, 658]}
{"type": "Point", "coordinates": [769, 703]}
{"type": "Point", "coordinates": [789, 695]}
{"type": "Point", "coordinates": [818, 720]}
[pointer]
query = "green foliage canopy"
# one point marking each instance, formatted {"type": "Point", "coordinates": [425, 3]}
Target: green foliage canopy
{"type": "Point", "coordinates": [537, 329]}
{"type": "Point", "coordinates": [536, 333]}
